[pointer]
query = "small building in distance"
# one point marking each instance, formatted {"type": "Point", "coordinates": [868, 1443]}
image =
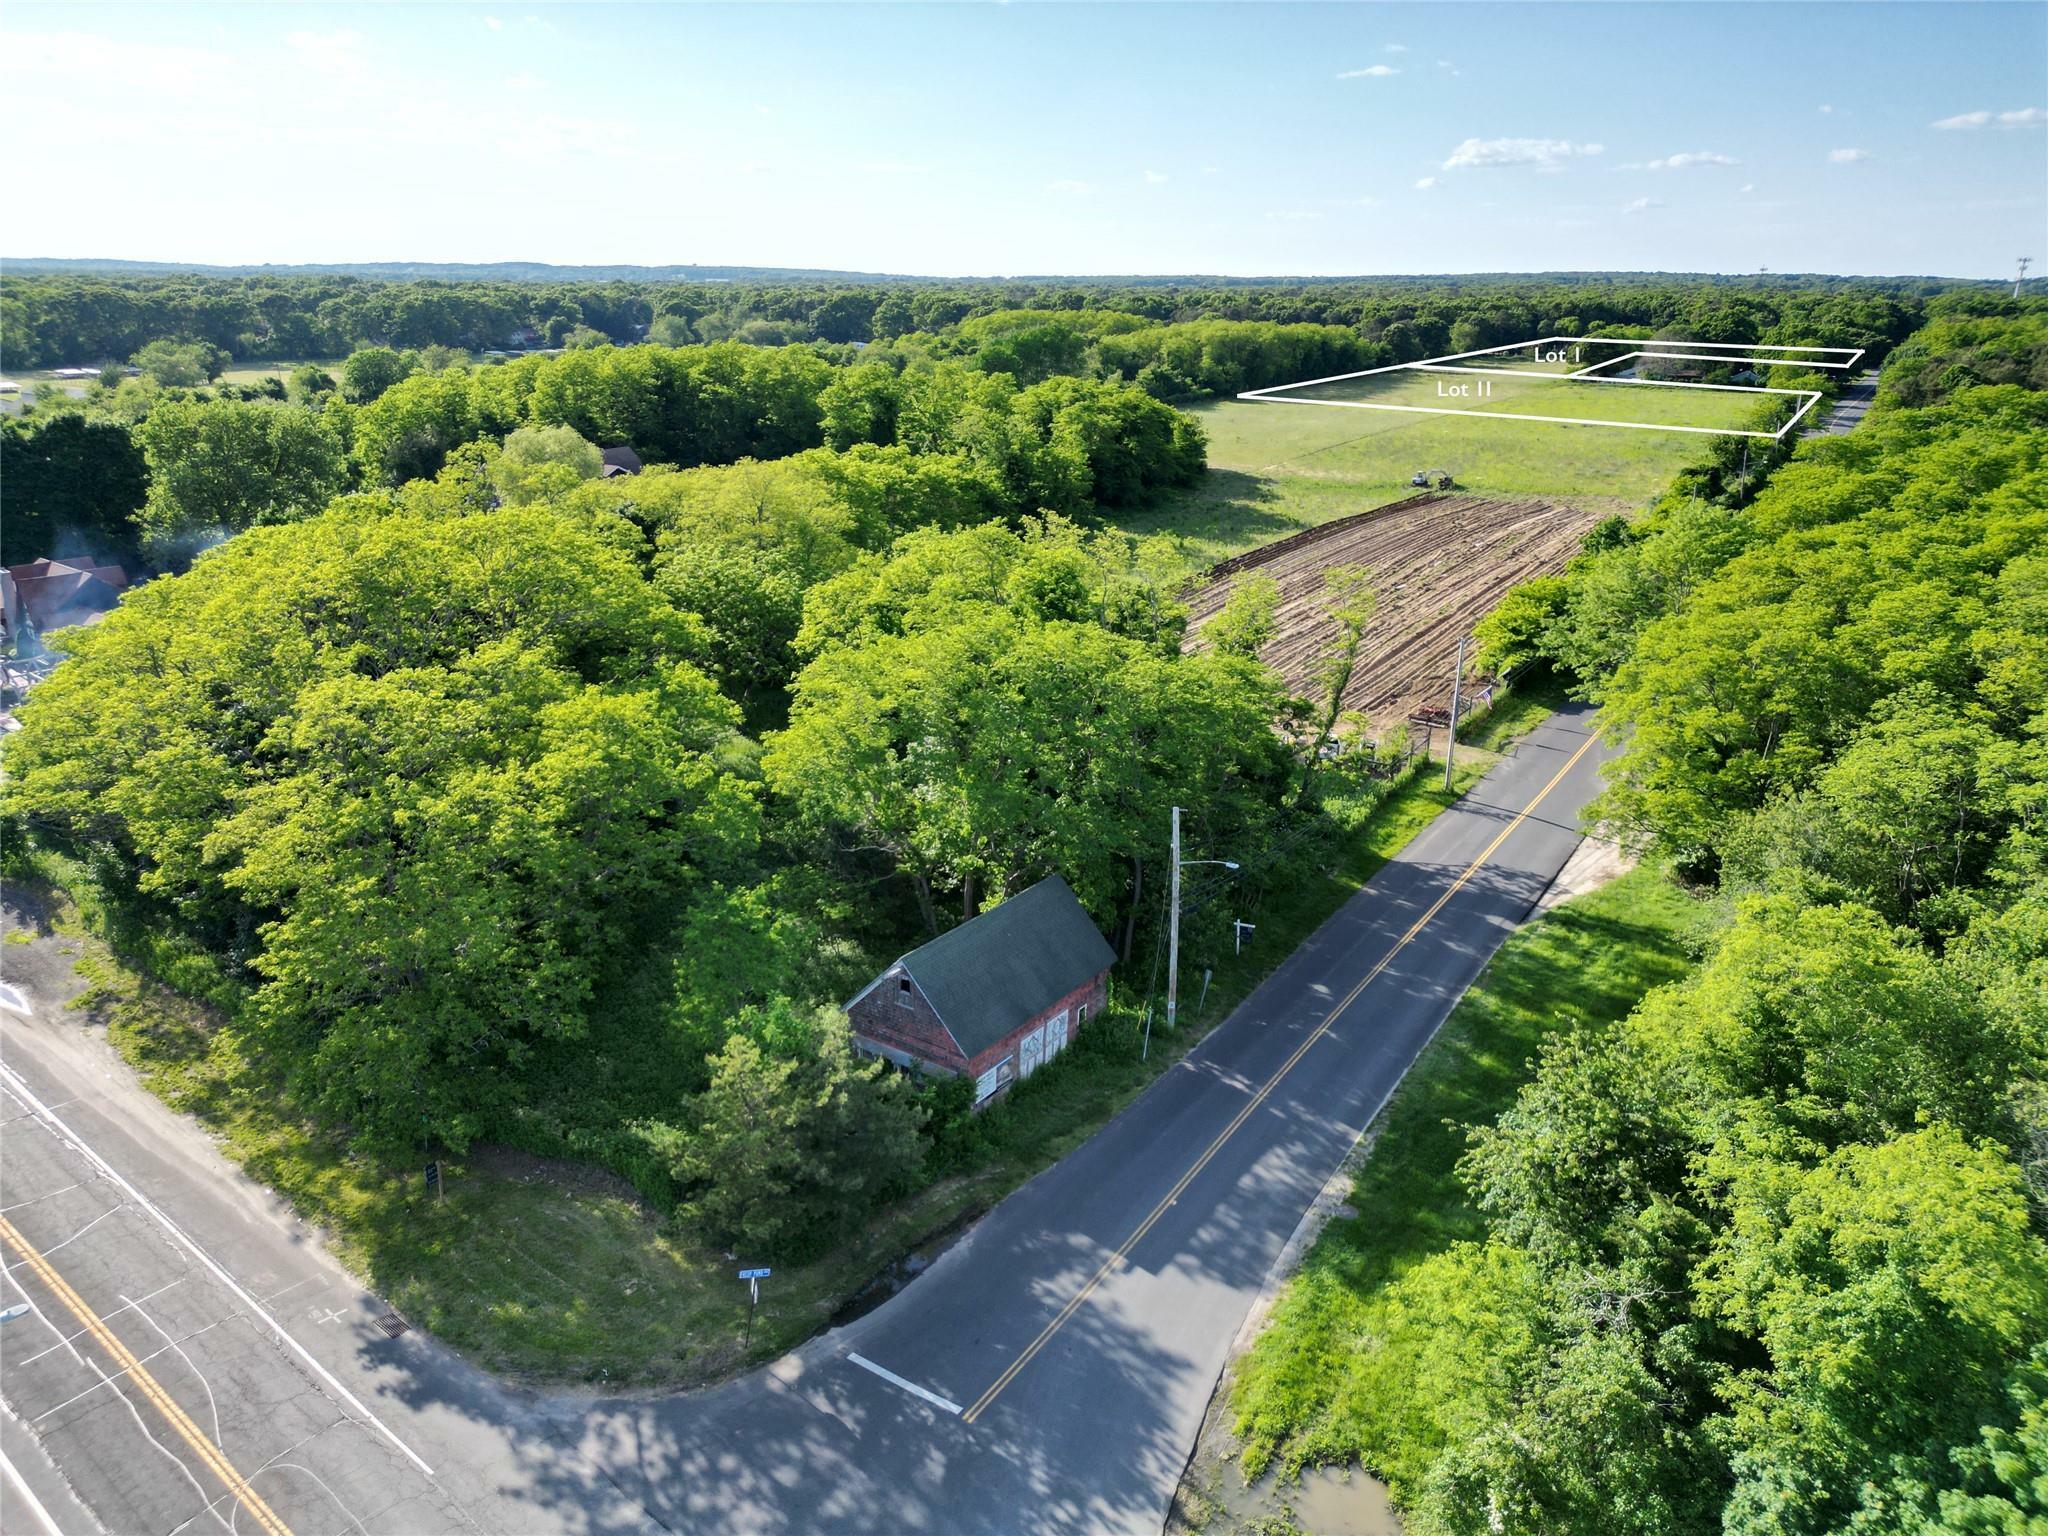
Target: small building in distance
{"type": "Point", "coordinates": [49, 594]}
{"type": "Point", "coordinates": [993, 999]}
{"type": "Point", "coordinates": [620, 461]}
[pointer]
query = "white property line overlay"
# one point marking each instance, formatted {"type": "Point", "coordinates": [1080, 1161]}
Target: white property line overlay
{"type": "Point", "coordinates": [43, 1112]}
{"type": "Point", "coordinates": [909, 1386]}
{"type": "Point", "coordinates": [1278, 394]}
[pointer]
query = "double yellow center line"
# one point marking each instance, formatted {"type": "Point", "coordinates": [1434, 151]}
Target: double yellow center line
{"type": "Point", "coordinates": [211, 1455]}
{"type": "Point", "coordinates": [1251, 1106]}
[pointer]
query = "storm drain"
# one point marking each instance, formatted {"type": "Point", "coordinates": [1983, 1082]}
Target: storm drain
{"type": "Point", "coordinates": [392, 1325]}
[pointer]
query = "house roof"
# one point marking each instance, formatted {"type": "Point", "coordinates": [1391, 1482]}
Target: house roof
{"type": "Point", "coordinates": [987, 976]}
{"type": "Point", "coordinates": [623, 458]}
{"type": "Point", "coordinates": [56, 593]}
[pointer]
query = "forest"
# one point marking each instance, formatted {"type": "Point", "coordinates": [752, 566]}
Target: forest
{"type": "Point", "coordinates": [61, 318]}
{"type": "Point", "coordinates": [1767, 1254]}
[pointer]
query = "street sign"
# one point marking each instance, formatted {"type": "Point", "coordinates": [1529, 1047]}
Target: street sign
{"type": "Point", "coordinates": [753, 1277]}
{"type": "Point", "coordinates": [434, 1174]}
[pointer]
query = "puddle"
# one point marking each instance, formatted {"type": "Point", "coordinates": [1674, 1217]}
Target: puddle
{"type": "Point", "coordinates": [1326, 1501]}
{"type": "Point", "coordinates": [905, 1269]}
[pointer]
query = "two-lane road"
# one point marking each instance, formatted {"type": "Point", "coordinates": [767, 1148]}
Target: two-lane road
{"type": "Point", "coordinates": [1048, 1373]}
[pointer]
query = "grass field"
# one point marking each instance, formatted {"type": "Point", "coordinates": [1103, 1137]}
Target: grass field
{"type": "Point", "coordinates": [1531, 392]}
{"type": "Point", "coordinates": [1277, 469]}
{"type": "Point", "coordinates": [1293, 1397]}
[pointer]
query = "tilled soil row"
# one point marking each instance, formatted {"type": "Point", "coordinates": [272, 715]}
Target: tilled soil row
{"type": "Point", "coordinates": [1439, 564]}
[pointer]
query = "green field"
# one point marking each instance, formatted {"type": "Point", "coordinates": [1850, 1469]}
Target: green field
{"type": "Point", "coordinates": [1275, 469]}
{"type": "Point", "coordinates": [1530, 391]}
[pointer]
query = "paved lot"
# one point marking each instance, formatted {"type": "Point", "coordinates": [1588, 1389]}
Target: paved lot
{"type": "Point", "coordinates": [195, 1360]}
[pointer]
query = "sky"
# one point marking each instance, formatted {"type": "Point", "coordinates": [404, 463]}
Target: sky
{"type": "Point", "coordinates": [956, 140]}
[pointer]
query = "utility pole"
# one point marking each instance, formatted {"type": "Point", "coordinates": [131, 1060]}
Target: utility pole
{"type": "Point", "coordinates": [2025, 262]}
{"type": "Point", "coordinates": [1173, 931]}
{"type": "Point", "coordinates": [1451, 735]}
{"type": "Point", "coordinates": [1173, 938]}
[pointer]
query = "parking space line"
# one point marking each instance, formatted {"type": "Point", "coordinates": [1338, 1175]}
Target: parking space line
{"type": "Point", "coordinates": [14, 1084]}
{"type": "Point", "coordinates": [209, 1453]}
{"type": "Point", "coordinates": [909, 1386]}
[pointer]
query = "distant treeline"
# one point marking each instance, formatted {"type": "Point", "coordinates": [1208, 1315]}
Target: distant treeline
{"type": "Point", "coordinates": [53, 319]}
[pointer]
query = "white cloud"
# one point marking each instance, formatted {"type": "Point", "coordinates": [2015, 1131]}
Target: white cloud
{"type": "Point", "coordinates": [894, 168]}
{"type": "Point", "coordinates": [1353, 202]}
{"type": "Point", "coordinates": [1642, 205]}
{"type": "Point", "coordinates": [1847, 156]}
{"type": "Point", "coordinates": [494, 24]}
{"type": "Point", "coordinates": [1425, 184]}
{"type": "Point", "coordinates": [1747, 186]}
{"type": "Point", "coordinates": [1689, 159]}
{"type": "Point", "coordinates": [110, 61]}
{"type": "Point", "coordinates": [1397, 47]}
{"type": "Point", "coordinates": [341, 54]}
{"type": "Point", "coordinates": [1544, 154]}
{"type": "Point", "coordinates": [1827, 111]}
{"type": "Point", "coordinates": [1370, 72]}
{"type": "Point", "coordinates": [1070, 187]}
{"type": "Point", "coordinates": [2019, 117]}
{"type": "Point", "coordinates": [1293, 215]}
{"type": "Point", "coordinates": [1156, 178]}
{"type": "Point", "coordinates": [524, 82]}
{"type": "Point", "coordinates": [1212, 170]}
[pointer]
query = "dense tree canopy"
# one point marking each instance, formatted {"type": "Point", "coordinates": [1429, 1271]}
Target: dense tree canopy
{"type": "Point", "coordinates": [987, 707]}
{"type": "Point", "coordinates": [219, 466]}
{"type": "Point", "coordinates": [410, 770]}
{"type": "Point", "coordinates": [72, 485]}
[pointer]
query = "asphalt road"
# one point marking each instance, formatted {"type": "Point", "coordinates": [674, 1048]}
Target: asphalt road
{"type": "Point", "coordinates": [1851, 406]}
{"type": "Point", "coordinates": [194, 1360]}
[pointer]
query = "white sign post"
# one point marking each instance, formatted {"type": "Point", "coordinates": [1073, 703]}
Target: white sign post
{"type": "Point", "coordinates": [753, 1277]}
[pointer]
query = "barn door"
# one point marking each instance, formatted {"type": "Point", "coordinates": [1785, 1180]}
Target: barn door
{"type": "Point", "coordinates": [1055, 1034]}
{"type": "Point", "coordinates": [1031, 1052]}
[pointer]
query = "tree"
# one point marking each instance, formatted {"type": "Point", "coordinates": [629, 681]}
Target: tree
{"type": "Point", "coordinates": [1246, 624]}
{"type": "Point", "coordinates": [73, 484]}
{"type": "Point", "coordinates": [181, 364]}
{"type": "Point", "coordinates": [309, 384]}
{"type": "Point", "coordinates": [1349, 602]}
{"type": "Point", "coordinates": [791, 1153]}
{"type": "Point", "coordinates": [217, 467]}
{"type": "Point", "coordinates": [860, 406]}
{"type": "Point", "coordinates": [1893, 1287]}
{"type": "Point", "coordinates": [536, 463]}
{"type": "Point", "coordinates": [751, 602]}
{"type": "Point", "coordinates": [970, 711]}
{"type": "Point", "coordinates": [414, 772]}
{"type": "Point", "coordinates": [367, 374]}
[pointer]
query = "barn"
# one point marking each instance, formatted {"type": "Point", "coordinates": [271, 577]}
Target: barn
{"type": "Point", "coordinates": [993, 999]}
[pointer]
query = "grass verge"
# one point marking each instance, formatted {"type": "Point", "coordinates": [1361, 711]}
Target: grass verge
{"type": "Point", "coordinates": [552, 1273]}
{"type": "Point", "coordinates": [1586, 962]}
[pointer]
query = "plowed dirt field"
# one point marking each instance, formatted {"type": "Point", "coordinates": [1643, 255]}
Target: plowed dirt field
{"type": "Point", "coordinates": [1439, 564]}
